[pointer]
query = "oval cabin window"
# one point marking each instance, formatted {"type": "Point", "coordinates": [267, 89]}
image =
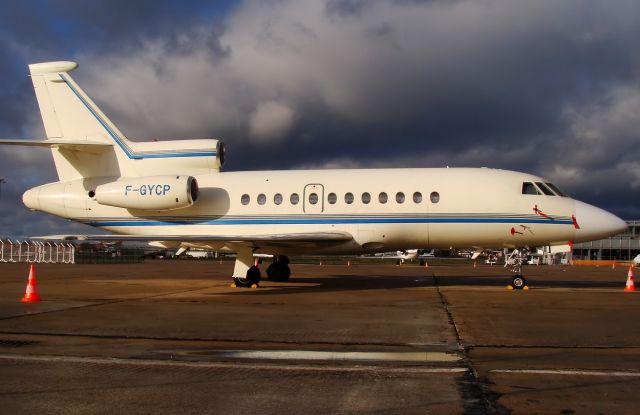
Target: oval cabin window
{"type": "Point", "coordinates": [294, 198]}
{"type": "Point", "coordinates": [435, 197]}
{"type": "Point", "coordinates": [277, 198]}
{"type": "Point", "coordinates": [245, 199]}
{"type": "Point", "coordinates": [400, 197]}
{"type": "Point", "coordinates": [332, 198]}
{"type": "Point", "coordinates": [348, 198]}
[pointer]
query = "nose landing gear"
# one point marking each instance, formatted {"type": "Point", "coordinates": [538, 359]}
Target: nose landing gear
{"type": "Point", "coordinates": [515, 261]}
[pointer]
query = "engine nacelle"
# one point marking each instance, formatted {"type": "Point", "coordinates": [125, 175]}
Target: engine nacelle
{"type": "Point", "coordinates": [148, 193]}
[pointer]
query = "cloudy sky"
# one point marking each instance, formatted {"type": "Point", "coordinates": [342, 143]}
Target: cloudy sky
{"type": "Point", "coordinates": [547, 87]}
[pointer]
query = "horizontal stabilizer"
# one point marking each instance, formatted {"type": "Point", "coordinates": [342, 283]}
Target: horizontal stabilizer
{"type": "Point", "coordinates": [93, 147]}
{"type": "Point", "coordinates": [55, 143]}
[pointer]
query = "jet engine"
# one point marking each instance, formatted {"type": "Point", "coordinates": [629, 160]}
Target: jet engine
{"type": "Point", "coordinates": [148, 193]}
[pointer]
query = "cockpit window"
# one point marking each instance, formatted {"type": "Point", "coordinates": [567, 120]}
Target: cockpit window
{"type": "Point", "coordinates": [555, 189]}
{"type": "Point", "coordinates": [529, 189]}
{"type": "Point", "coordinates": [545, 189]}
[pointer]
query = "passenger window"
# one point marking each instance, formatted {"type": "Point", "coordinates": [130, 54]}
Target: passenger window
{"type": "Point", "coordinates": [245, 199]}
{"type": "Point", "coordinates": [417, 197]}
{"type": "Point", "coordinates": [529, 189]}
{"type": "Point", "coordinates": [262, 199]}
{"type": "Point", "coordinates": [348, 198]}
{"type": "Point", "coordinates": [400, 197]}
{"type": "Point", "coordinates": [366, 198]}
{"type": "Point", "coordinates": [277, 198]}
{"type": "Point", "coordinates": [294, 198]}
{"type": "Point", "coordinates": [555, 189]}
{"type": "Point", "coordinates": [545, 189]}
{"type": "Point", "coordinates": [332, 198]}
{"type": "Point", "coordinates": [382, 197]}
{"type": "Point", "coordinates": [313, 198]}
{"type": "Point", "coordinates": [434, 197]}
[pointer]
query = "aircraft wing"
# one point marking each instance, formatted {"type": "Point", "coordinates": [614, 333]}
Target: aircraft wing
{"type": "Point", "coordinates": [269, 239]}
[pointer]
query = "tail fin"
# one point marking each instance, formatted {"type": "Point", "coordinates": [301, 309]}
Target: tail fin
{"type": "Point", "coordinates": [67, 115]}
{"type": "Point", "coordinates": [67, 112]}
{"type": "Point", "coordinates": [70, 116]}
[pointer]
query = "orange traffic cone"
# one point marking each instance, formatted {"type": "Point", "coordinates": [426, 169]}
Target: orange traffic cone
{"type": "Point", "coordinates": [630, 285]}
{"type": "Point", "coordinates": [613, 266]}
{"type": "Point", "coordinates": [348, 263]}
{"type": "Point", "coordinates": [475, 264]}
{"type": "Point", "coordinates": [426, 264]}
{"type": "Point", "coordinates": [31, 294]}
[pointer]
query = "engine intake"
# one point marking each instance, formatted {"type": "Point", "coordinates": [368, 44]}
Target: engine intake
{"type": "Point", "coordinates": [149, 193]}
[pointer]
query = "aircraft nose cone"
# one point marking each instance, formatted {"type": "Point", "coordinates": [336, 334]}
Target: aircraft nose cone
{"type": "Point", "coordinates": [596, 223]}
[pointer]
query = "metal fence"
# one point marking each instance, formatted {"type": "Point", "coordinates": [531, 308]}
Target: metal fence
{"type": "Point", "coordinates": [87, 254]}
{"type": "Point", "coordinates": [37, 251]}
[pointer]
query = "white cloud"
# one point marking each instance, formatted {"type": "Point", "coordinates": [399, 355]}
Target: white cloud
{"type": "Point", "coordinates": [270, 121]}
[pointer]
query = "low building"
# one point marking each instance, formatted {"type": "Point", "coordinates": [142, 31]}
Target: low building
{"type": "Point", "coordinates": [622, 247]}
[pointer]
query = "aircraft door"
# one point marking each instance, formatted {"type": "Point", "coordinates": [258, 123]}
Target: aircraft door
{"type": "Point", "coordinates": [313, 198]}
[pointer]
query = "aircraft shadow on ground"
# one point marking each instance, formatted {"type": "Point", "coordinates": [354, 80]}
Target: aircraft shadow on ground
{"type": "Point", "coordinates": [338, 283]}
{"type": "Point", "coordinates": [351, 283]}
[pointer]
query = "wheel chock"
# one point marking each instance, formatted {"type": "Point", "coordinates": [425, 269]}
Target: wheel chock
{"type": "Point", "coordinates": [509, 287]}
{"type": "Point", "coordinates": [233, 285]}
{"type": "Point", "coordinates": [526, 287]}
{"type": "Point", "coordinates": [255, 286]}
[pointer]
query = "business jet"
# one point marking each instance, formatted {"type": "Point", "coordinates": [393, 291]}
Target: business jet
{"type": "Point", "coordinates": [173, 193]}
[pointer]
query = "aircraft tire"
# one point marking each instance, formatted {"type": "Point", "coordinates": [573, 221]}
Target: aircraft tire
{"type": "Point", "coordinates": [253, 277]}
{"type": "Point", "coordinates": [518, 282]}
{"type": "Point", "coordinates": [278, 272]}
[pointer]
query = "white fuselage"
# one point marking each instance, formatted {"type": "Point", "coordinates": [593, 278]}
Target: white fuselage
{"type": "Point", "coordinates": [442, 208]}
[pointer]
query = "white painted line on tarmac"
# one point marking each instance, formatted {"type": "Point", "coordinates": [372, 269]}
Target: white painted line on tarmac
{"type": "Point", "coordinates": [439, 357]}
{"type": "Point", "coordinates": [226, 365]}
{"type": "Point", "coordinates": [568, 372]}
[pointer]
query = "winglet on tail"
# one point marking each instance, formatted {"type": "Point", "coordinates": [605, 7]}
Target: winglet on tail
{"type": "Point", "coordinates": [52, 67]}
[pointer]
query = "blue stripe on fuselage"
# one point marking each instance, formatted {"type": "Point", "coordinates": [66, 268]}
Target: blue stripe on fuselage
{"type": "Point", "coordinates": [324, 221]}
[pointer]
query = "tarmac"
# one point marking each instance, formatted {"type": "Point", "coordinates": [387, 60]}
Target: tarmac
{"type": "Point", "coordinates": [171, 336]}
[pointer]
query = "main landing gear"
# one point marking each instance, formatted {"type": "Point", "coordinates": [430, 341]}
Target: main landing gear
{"type": "Point", "coordinates": [247, 275]}
{"type": "Point", "coordinates": [251, 279]}
{"type": "Point", "coordinates": [515, 261]}
{"type": "Point", "coordinates": [279, 270]}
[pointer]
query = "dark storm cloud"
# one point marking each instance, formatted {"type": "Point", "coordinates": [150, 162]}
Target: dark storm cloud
{"type": "Point", "coordinates": [541, 86]}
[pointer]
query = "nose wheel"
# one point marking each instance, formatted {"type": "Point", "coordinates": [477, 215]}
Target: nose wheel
{"type": "Point", "coordinates": [518, 282]}
{"type": "Point", "coordinates": [515, 260]}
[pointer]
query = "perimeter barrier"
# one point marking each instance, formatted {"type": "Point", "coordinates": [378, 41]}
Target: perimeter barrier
{"type": "Point", "coordinates": [37, 251]}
